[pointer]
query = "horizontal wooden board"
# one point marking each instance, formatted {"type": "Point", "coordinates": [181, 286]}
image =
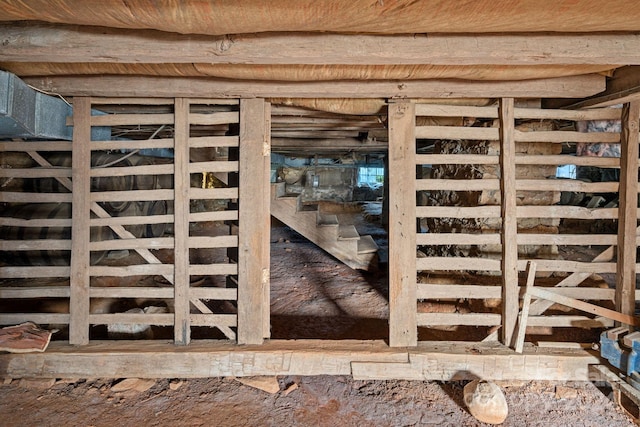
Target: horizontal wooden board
{"type": "Point", "coordinates": [471, 319]}
{"type": "Point", "coordinates": [35, 292]}
{"type": "Point", "coordinates": [213, 166]}
{"type": "Point", "coordinates": [457, 239]}
{"type": "Point", "coordinates": [128, 119]}
{"type": "Point", "coordinates": [455, 291]}
{"type": "Point", "coordinates": [603, 162]}
{"type": "Point", "coordinates": [218, 118]}
{"type": "Point", "coordinates": [44, 222]}
{"type": "Point", "coordinates": [456, 159]}
{"type": "Point", "coordinates": [31, 245]}
{"type": "Point", "coordinates": [457, 212]}
{"type": "Point", "coordinates": [33, 272]}
{"type": "Point", "coordinates": [38, 318]}
{"type": "Point", "coordinates": [131, 195]}
{"type": "Point", "coordinates": [214, 141]}
{"type": "Point", "coordinates": [163, 169]}
{"type": "Point", "coordinates": [213, 269]}
{"type": "Point", "coordinates": [24, 197]}
{"type": "Point", "coordinates": [436, 110]}
{"type": "Point", "coordinates": [132, 270]}
{"type": "Point", "coordinates": [214, 216]}
{"type": "Point", "coordinates": [35, 172]}
{"type": "Point", "coordinates": [523, 239]}
{"type": "Point", "coordinates": [160, 319]}
{"type": "Point", "coordinates": [457, 184]}
{"type": "Point", "coordinates": [131, 220]}
{"type": "Point", "coordinates": [491, 134]}
{"type": "Point", "coordinates": [139, 243]}
{"type": "Point", "coordinates": [572, 321]}
{"type": "Point", "coordinates": [131, 292]}
{"type": "Point", "coordinates": [211, 320]}
{"type": "Point", "coordinates": [228, 294]}
{"type": "Point", "coordinates": [132, 144]}
{"type": "Point", "coordinates": [486, 264]}
{"type": "Point", "coordinates": [212, 241]}
{"type": "Point", "coordinates": [213, 193]}
{"type": "Point", "coordinates": [35, 146]}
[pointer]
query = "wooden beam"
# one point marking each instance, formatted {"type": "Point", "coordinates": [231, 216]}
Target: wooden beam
{"type": "Point", "coordinates": [195, 87]}
{"type": "Point", "coordinates": [444, 361]}
{"type": "Point", "coordinates": [509, 234]}
{"type": "Point", "coordinates": [70, 43]}
{"type": "Point", "coordinates": [628, 212]}
{"type": "Point", "coordinates": [181, 328]}
{"type": "Point", "coordinates": [266, 224]}
{"type": "Point", "coordinates": [526, 303]}
{"type": "Point", "coordinates": [623, 87]}
{"type": "Point", "coordinates": [402, 225]}
{"type": "Point", "coordinates": [80, 230]}
{"type": "Point", "coordinates": [252, 233]}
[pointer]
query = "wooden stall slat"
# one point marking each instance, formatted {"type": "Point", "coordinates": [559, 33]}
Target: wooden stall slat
{"type": "Point", "coordinates": [435, 110]}
{"type": "Point", "coordinates": [458, 212]}
{"type": "Point", "coordinates": [131, 195]}
{"type": "Point", "coordinates": [470, 319]}
{"type": "Point", "coordinates": [213, 241]}
{"type": "Point", "coordinates": [456, 159]}
{"type": "Point", "coordinates": [457, 263]}
{"type": "Point", "coordinates": [560, 159]}
{"type": "Point", "coordinates": [158, 319]}
{"type": "Point", "coordinates": [45, 222]}
{"type": "Point", "coordinates": [23, 197]}
{"type": "Point", "coordinates": [35, 172]}
{"type": "Point", "coordinates": [228, 294]}
{"type": "Point", "coordinates": [231, 215]}
{"type": "Point", "coordinates": [211, 320]}
{"type": "Point", "coordinates": [567, 239]}
{"type": "Point", "coordinates": [132, 144]}
{"type": "Point", "coordinates": [215, 166]}
{"type": "Point", "coordinates": [35, 146]}
{"type": "Point", "coordinates": [35, 292]}
{"type": "Point", "coordinates": [491, 134]}
{"type": "Point", "coordinates": [131, 101]}
{"type": "Point", "coordinates": [131, 292]}
{"type": "Point", "coordinates": [217, 118]}
{"type": "Point", "coordinates": [575, 321]}
{"type": "Point", "coordinates": [575, 212]}
{"type": "Point", "coordinates": [457, 291]}
{"type": "Point", "coordinates": [213, 141]}
{"type": "Point", "coordinates": [30, 245]}
{"type": "Point", "coordinates": [131, 270]}
{"type": "Point", "coordinates": [457, 184]}
{"type": "Point", "coordinates": [213, 269]}
{"type": "Point", "coordinates": [138, 243]}
{"type": "Point", "coordinates": [456, 132]}
{"type": "Point", "coordinates": [132, 170]}
{"type": "Point", "coordinates": [402, 227]}
{"type": "Point", "coordinates": [457, 239]}
{"type": "Point", "coordinates": [33, 272]}
{"type": "Point", "coordinates": [129, 120]}
{"type": "Point", "coordinates": [131, 220]}
{"type": "Point", "coordinates": [38, 318]}
{"type": "Point", "coordinates": [213, 193]}
{"type": "Point", "coordinates": [565, 185]}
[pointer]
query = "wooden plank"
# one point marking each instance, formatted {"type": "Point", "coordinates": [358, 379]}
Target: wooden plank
{"type": "Point", "coordinates": [436, 110]}
{"type": "Point", "coordinates": [35, 292]}
{"type": "Point", "coordinates": [195, 87]}
{"type": "Point", "coordinates": [573, 212]}
{"type": "Point", "coordinates": [231, 215]}
{"type": "Point", "coordinates": [213, 166]}
{"type": "Point", "coordinates": [213, 269]}
{"type": "Point", "coordinates": [456, 159]}
{"type": "Point", "coordinates": [572, 321]}
{"type": "Point", "coordinates": [33, 272]}
{"type": "Point", "coordinates": [22, 197]}
{"type": "Point", "coordinates": [132, 170]}
{"type": "Point", "coordinates": [457, 239]}
{"type": "Point", "coordinates": [56, 43]}
{"type": "Point", "coordinates": [212, 241]}
{"type": "Point", "coordinates": [251, 233]}
{"type": "Point", "coordinates": [458, 184]}
{"type": "Point", "coordinates": [559, 159]}
{"type": "Point", "coordinates": [565, 185]}
{"type": "Point", "coordinates": [622, 87]}
{"type": "Point", "coordinates": [48, 222]}
{"type": "Point", "coordinates": [458, 319]}
{"type": "Point", "coordinates": [567, 239]}
{"type": "Point", "coordinates": [213, 141]}
{"type": "Point", "coordinates": [509, 232]}
{"type": "Point", "coordinates": [457, 211]}
{"type": "Point", "coordinates": [182, 330]}
{"type": "Point", "coordinates": [160, 319]}
{"type": "Point", "coordinates": [628, 221]}
{"type": "Point", "coordinates": [229, 294]}
{"type": "Point", "coordinates": [80, 236]}
{"type": "Point", "coordinates": [131, 195]}
{"type": "Point", "coordinates": [128, 119]}
{"type": "Point", "coordinates": [132, 144]}
{"type": "Point", "coordinates": [35, 145]}
{"type": "Point", "coordinates": [131, 220]}
{"type": "Point", "coordinates": [457, 263]}
{"type": "Point", "coordinates": [211, 320]}
{"type": "Point", "coordinates": [439, 291]}
{"type": "Point", "coordinates": [213, 193]}
{"type": "Point", "coordinates": [139, 243]}
{"type": "Point", "coordinates": [35, 172]}
{"type": "Point", "coordinates": [491, 134]}
{"type": "Point", "coordinates": [40, 244]}
{"type": "Point", "coordinates": [132, 101]}
{"type": "Point", "coordinates": [456, 132]}
{"type": "Point", "coordinates": [586, 307]}
{"type": "Point", "coordinates": [526, 304]}
{"type": "Point", "coordinates": [402, 225]}
{"type": "Point", "coordinates": [131, 292]}
{"type": "Point", "coordinates": [218, 118]}
{"type": "Point", "coordinates": [266, 224]}
{"type": "Point", "coordinates": [131, 270]}
{"type": "Point", "coordinates": [38, 318]}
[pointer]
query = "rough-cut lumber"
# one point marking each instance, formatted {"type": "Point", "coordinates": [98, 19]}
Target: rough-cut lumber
{"type": "Point", "coordinates": [252, 232]}
{"type": "Point", "coordinates": [81, 207]}
{"type": "Point", "coordinates": [623, 87]}
{"type": "Point", "coordinates": [402, 228]}
{"type": "Point", "coordinates": [509, 232]}
{"type": "Point", "coordinates": [628, 220]}
{"type": "Point", "coordinates": [449, 291]}
{"type": "Point", "coordinates": [470, 319]}
{"type": "Point", "coordinates": [58, 43]}
{"type": "Point", "coordinates": [435, 110]}
{"type": "Point", "coordinates": [195, 87]}
{"type": "Point", "coordinates": [181, 328]}
{"type": "Point", "coordinates": [526, 304]}
{"type": "Point", "coordinates": [444, 361]}
{"type": "Point", "coordinates": [492, 134]}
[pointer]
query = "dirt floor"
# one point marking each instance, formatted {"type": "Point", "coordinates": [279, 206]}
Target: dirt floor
{"type": "Point", "coordinates": [313, 296]}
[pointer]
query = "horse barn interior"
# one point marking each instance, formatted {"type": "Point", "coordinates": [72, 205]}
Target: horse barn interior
{"type": "Point", "coordinates": [381, 189]}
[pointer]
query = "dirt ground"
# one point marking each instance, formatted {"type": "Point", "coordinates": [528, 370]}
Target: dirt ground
{"type": "Point", "coordinates": [313, 296]}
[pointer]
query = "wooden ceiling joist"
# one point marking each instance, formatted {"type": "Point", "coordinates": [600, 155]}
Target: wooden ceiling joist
{"type": "Point", "coordinates": [75, 44]}
{"type": "Point", "coordinates": [139, 86]}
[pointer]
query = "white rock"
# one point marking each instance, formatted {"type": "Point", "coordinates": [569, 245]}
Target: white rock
{"type": "Point", "coordinates": [486, 402]}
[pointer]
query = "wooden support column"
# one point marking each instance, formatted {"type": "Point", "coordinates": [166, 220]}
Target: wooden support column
{"type": "Point", "coordinates": [252, 230]}
{"type": "Point", "coordinates": [509, 262]}
{"type": "Point", "coordinates": [182, 329]}
{"type": "Point", "coordinates": [266, 221]}
{"type": "Point", "coordinates": [628, 212]}
{"type": "Point", "coordinates": [403, 330]}
{"type": "Point", "coordinates": [80, 230]}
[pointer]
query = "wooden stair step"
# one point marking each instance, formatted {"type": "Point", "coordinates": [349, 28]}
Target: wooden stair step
{"type": "Point", "coordinates": [327, 220]}
{"type": "Point", "coordinates": [348, 232]}
{"type": "Point", "coordinates": [366, 245]}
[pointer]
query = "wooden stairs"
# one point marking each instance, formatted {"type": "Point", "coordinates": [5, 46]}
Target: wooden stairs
{"type": "Point", "coordinates": [341, 241]}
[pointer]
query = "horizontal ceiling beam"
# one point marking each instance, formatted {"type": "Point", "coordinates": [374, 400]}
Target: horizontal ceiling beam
{"type": "Point", "coordinates": [139, 86]}
{"type": "Point", "coordinates": [68, 44]}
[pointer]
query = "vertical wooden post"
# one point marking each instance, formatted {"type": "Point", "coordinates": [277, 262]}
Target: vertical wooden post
{"type": "Point", "coordinates": [403, 330]}
{"type": "Point", "coordinates": [80, 230]}
{"type": "Point", "coordinates": [182, 182]}
{"type": "Point", "coordinates": [509, 264]}
{"type": "Point", "coordinates": [266, 243]}
{"type": "Point", "coordinates": [628, 212]}
{"type": "Point", "coordinates": [252, 232]}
